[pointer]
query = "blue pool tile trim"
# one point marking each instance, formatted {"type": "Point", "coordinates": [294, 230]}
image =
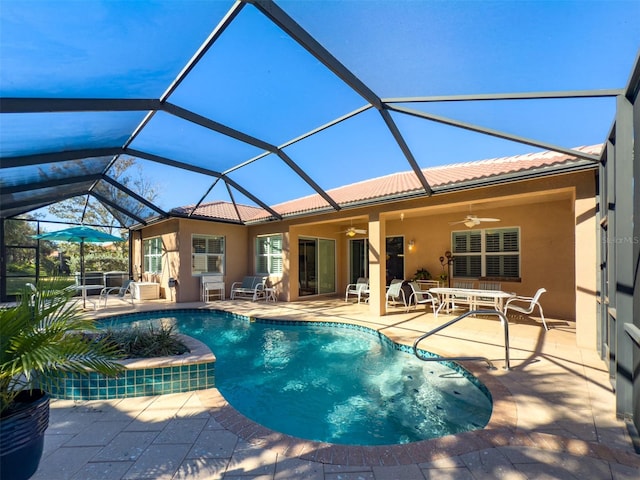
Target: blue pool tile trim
{"type": "Point", "coordinates": [132, 383]}
{"type": "Point", "coordinates": [154, 376]}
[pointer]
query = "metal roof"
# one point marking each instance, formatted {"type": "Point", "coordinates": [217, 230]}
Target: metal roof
{"type": "Point", "coordinates": [261, 102]}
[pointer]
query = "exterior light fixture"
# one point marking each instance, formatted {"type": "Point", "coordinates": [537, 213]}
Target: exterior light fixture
{"type": "Point", "coordinates": [412, 244]}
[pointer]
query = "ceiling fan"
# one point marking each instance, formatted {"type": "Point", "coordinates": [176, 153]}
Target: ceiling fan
{"type": "Point", "coordinates": [353, 231]}
{"type": "Point", "coordinates": [473, 220]}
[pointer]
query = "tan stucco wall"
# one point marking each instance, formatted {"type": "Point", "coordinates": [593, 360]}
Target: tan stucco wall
{"type": "Point", "coordinates": [176, 262]}
{"type": "Point", "coordinates": [542, 209]}
{"type": "Point", "coordinates": [236, 259]}
{"type": "Point", "coordinates": [170, 254]}
{"type": "Point", "coordinates": [586, 265]}
{"type": "Point", "coordinates": [555, 216]}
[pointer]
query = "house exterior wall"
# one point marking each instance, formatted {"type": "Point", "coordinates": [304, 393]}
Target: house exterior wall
{"type": "Point", "coordinates": [167, 231]}
{"type": "Point", "coordinates": [236, 258]}
{"type": "Point", "coordinates": [587, 269]}
{"type": "Point", "coordinates": [555, 216]}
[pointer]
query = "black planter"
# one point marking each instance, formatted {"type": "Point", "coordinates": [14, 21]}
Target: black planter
{"type": "Point", "coordinates": [22, 430]}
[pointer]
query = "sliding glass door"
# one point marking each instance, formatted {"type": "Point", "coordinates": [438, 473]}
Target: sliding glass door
{"type": "Point", "coordinates": [359, 260]}
{"type": "Point", "coordinates": [316, 266]}
{"type": "Point", "coordinates": [395, 258]}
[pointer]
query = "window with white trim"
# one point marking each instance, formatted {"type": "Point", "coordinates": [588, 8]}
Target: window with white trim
{"type": "Point", "coordinates": [152, 257]}
{"type": "Point", "coordinates": [207, 254]}
{"type": "Point", "coordinates": [491, 252]}
{"type": "Point", "coordinates": [269, 255]}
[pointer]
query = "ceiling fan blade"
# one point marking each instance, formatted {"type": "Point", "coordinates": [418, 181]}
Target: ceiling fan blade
{"type": "Point", "coordinates": [457, 223]}
{"type": "Point", "coordinates": [488, 219]}
{"type": "Point", "coordinates": [352, 231]}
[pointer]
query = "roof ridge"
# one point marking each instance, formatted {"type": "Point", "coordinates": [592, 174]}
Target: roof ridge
{"type": "Point", "coordinates": [514, 158]}
{"type": "Point", "coordinates": [511, 158]}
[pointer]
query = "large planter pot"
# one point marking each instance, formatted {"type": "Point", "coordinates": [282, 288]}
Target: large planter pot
{"type": "Point", "coordinates": [22, 430]}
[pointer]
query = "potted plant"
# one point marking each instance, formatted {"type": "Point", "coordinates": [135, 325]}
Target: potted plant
{"type": "Point", "coordinates": [422, 274]}
{"type": "Point", "coordinates": [35, 342]}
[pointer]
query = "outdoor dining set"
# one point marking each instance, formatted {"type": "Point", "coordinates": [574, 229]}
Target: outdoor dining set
{"type": "Point", "coordinates": [487, 296]}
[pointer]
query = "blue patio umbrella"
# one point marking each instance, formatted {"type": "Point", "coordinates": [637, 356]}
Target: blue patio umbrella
{"type": "Point", "coordinates": [79, 235]}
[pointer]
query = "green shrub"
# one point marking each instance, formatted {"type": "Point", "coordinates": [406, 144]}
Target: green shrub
{"type": "Point", "coordinates": [143, 342]}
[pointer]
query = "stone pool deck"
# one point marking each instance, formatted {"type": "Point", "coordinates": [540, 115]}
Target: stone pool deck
{"type": "Point", "coordinates": [553, 416]}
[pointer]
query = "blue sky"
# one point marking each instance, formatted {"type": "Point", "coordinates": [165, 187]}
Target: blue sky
{"type": "Point", "coordinates": [257, 80]}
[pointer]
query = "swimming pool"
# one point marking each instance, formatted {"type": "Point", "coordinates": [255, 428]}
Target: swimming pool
{"type": "Point", "coordinates": [334, 383]}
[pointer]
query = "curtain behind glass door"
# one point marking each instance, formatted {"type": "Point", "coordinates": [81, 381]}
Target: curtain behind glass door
{"type": "Point", "coordinates": [307, 274]}
{"type": "Point", "coordinates": [358, 259]}
{"type": "Point", "coordinates": [326, 266]}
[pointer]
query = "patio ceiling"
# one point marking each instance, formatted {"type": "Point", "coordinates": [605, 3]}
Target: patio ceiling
{"type": "Point", "coordinates": [260, 102]}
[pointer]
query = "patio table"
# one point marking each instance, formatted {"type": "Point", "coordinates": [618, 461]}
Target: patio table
{"type": "Point", "coordinates": [84, 289]}
{"type": "Point", "coordinates": [470, 296]}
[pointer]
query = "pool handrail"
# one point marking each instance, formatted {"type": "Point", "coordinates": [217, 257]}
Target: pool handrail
{"type": "Point", "coordinates": [503, 321]}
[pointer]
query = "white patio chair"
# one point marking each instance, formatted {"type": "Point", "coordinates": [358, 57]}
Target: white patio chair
{"type": "Point", "coordinates": [123, 291]}
{"type": "Point", "coordinates": [211, 286]}
{"type": "Point", "coordinates": [488, 301]}
{"type": "Point", "coordinates": [65, 292]}
{"type": "Point", "coordinates": [490, 286]}
{"type": "Point", "coordinates": [526, 305]}
{"type": "Point", "coordinates": [421, 297]}
{"type": "Point", "coordinates": [457, 300]}
{"type": "Point", "coordinates": [358, 289]}
{"type": "Point", "coordinates": [395, 293]}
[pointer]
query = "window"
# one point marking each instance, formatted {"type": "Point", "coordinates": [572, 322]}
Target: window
{"type": "Point", "coordinates": [152, 255]}
{"type": "Point", "coordinates": [207, 255]}
{"type": "Point", "coordinates": [269, 255]}
{"type": "Point", "coordinates": [487, 253]}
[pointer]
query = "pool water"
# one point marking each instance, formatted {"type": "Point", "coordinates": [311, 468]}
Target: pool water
{"type": "Point", "coordinates": [332, 383]}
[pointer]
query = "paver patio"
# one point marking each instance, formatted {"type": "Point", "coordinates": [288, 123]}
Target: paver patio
{"type": "Point", "coordinates": [553, 416]}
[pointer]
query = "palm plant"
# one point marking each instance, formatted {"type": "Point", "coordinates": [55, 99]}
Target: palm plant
{"type": "Point", "coordinates": [36, 342]}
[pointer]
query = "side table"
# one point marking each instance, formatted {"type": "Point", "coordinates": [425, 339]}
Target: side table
{"type": "Point", "coordinates": [270, 295]}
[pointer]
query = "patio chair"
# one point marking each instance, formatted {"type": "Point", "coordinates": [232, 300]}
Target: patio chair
{"type": "Point", "coordinates": [461, 299]}
{"type": "Point", "coordinates": [488, 301]}
{"type": "Point", "coordinates": [421, 297]}
{"type": "Point", "coordinates": [359, 289]}
{"type": "Point", "coordinates": [395, 293]}
{"type": "Point", "coordinates": [526, 305]}
{"type": "Point", "coordinates": [490, 286]}
{"type": "Point", "coordinates": [47, 301]}
{"type": "Point", "coordinates": [123, 292]}
{"type": "Point", "coordinates": [211, 286]}
{"type": "Point", "coordinates": [250, 286]}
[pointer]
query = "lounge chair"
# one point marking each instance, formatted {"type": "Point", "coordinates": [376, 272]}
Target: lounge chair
{"type": "Point", "coordinates": [359, 289]}
{"type": "Point", "coordinates": [395, 293]}
{"type": "Point", "coordinates": [421, 297]}
{"type": "Point", "coordinates": [526, 305]}
{"type": "Point", "coordinates": [123, 292]}
{"type": "Point", "coordinates": [251, 286]}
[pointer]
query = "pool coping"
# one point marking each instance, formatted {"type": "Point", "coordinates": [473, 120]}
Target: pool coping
{"type": "Point", "coordinates": [198, 353]}
{"type": "Point", "coordinates": [500, 431]}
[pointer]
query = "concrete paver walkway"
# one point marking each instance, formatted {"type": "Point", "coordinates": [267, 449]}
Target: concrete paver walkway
{"type": "Point", "coordinates": [553, 417]}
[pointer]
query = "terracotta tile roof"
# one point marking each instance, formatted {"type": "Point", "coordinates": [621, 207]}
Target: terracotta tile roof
{"type": "Point", "coordinates": [403, 184]}
{"type": "Point", "coordinates": [221, 211]}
